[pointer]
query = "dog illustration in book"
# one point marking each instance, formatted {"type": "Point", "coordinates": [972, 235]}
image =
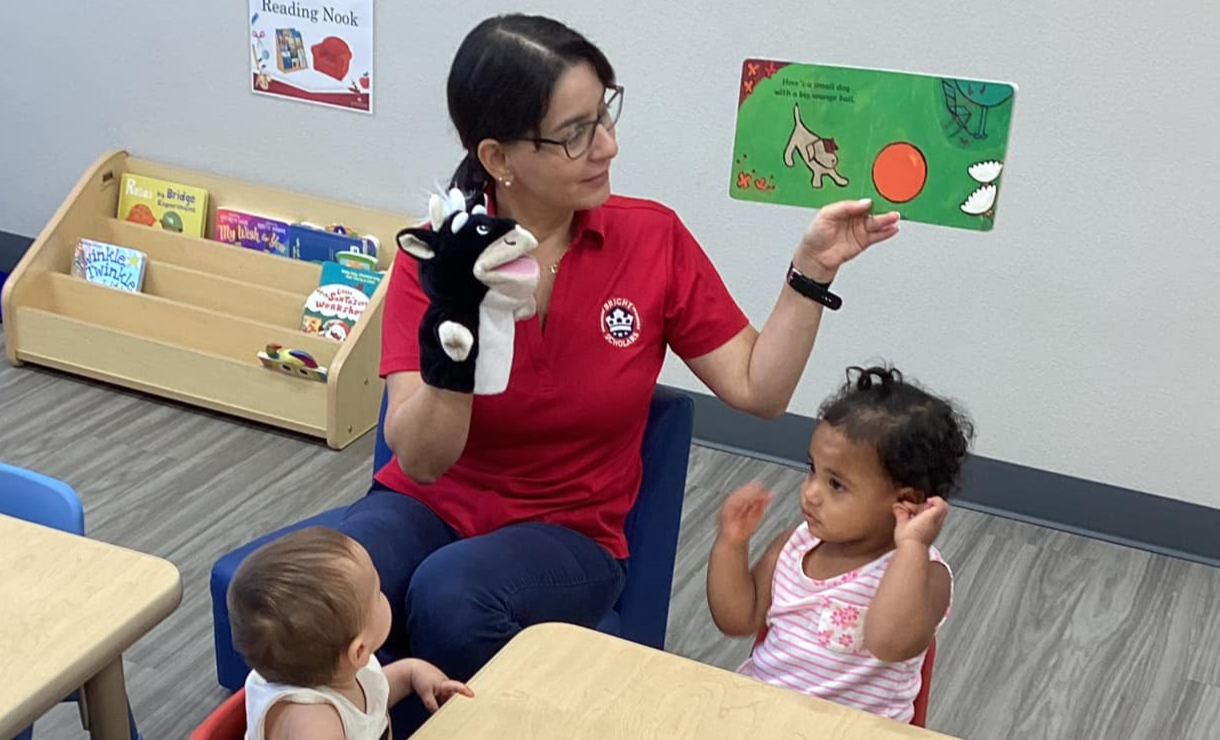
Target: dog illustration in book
{"type": "Point", "coordinates": [819, 154]}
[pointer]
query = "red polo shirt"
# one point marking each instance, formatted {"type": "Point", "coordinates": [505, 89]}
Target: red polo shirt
{"type": "Point", "coordinates": [562, 444]}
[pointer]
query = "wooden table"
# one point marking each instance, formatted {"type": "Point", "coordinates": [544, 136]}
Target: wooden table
{"type": "Point", "coordinates": [69, 607]}
{"type": "Point", "coordinates": [564, 682]}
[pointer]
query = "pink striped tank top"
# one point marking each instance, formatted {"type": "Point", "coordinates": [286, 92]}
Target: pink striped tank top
{"type": "Point", "coordinates": [815, 637]}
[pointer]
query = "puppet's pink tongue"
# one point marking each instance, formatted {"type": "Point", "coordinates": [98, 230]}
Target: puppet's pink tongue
{"type": "Point", "coordinates": [522, 267]}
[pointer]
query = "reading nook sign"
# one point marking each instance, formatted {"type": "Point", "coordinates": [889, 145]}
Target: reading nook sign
{"type": "Point", "coordinates": [319, 52]}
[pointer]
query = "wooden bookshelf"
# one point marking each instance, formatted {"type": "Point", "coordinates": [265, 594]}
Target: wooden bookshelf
{"type": "Point", "coordinates": [193, 334]}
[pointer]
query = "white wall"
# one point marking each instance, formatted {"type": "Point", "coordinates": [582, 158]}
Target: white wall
{"type": "Point", "coordinates": [1083, 333]}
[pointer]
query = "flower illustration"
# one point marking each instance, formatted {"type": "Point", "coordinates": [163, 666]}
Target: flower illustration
{"type": "Point", "coordinates": [845, 616]}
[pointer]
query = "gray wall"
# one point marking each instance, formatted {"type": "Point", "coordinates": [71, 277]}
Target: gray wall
{"type": "Point", "coordinates": [1083, 333]}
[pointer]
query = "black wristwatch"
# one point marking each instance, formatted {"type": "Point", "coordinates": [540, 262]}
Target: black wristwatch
{"type": "Point", "coordinates": [812, 289]}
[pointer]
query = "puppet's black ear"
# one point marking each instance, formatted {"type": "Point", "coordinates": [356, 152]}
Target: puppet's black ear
{"type": "Point", "coordinates": [417, 242]}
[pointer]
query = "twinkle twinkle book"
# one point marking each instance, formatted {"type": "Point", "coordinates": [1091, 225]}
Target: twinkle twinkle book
{"type": "Point", "coordinates": [930, 147]}
{"type": "Point", "coordinates": [109, 265]}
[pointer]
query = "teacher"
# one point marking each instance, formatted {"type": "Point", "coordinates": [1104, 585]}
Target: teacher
{"type": "Point", "coordinates": [498, 512]}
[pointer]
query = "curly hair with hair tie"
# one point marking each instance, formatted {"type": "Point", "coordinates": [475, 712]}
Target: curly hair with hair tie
{"type": "Point", "coordinates": [921, 440]}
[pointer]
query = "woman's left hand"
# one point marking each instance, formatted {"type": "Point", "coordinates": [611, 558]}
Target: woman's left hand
{"type": "Point", "coordinates": [838, 234]}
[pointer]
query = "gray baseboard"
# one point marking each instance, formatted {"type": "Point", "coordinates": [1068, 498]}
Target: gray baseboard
{"type": "Point", "coordinates": [1120, 515]}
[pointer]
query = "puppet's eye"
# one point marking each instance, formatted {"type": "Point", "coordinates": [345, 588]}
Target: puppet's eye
{"type": "Point", "coordinates": [483, 229]}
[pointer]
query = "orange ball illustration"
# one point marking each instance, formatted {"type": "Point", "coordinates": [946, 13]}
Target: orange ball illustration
{"type": "Point", "coordinates": [900, 172]}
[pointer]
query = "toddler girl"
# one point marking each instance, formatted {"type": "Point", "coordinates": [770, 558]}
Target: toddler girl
{"type": "Point", "coordinates": [851, 598]}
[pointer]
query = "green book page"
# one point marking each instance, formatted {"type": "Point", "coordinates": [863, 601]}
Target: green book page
{"type": "Point", "coordinates": [932, 148]}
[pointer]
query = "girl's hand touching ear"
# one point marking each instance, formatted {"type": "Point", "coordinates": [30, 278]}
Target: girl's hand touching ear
{"type": "Point", "coordinates": [919, 522]}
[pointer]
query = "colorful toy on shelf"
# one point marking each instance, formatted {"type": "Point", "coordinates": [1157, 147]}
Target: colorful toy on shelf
{"type": "Point", "coordinates": [292, 362]}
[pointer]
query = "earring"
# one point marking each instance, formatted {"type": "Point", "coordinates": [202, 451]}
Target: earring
{"type": "Point", "coordinates": [507, 183]}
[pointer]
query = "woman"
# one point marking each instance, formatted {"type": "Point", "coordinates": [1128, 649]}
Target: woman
{"type": "Point", "coordinates": [502, 511]}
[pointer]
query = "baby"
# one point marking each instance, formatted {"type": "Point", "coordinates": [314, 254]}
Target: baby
{"type": "Point", "coordinates": [850, 599]}
{"type": "Point", "coordinates": [308, 615]}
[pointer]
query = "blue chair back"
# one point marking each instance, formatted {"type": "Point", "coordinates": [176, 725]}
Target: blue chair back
{"type": "Point", "coordinates": [41, 499]}
{"type": "Point", "coordinates": [382, 453]}
{"type": "Point", "coordinates": [653, 523]}
{"type": "Point", "coordinates": [642, 611]}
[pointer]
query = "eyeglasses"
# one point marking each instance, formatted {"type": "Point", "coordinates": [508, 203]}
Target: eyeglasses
{"type": "Point", "coordinates": [577, 143]}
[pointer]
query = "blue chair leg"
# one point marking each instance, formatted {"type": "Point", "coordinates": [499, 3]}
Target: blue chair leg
{"type": "Point", "coordinates": [131, 723]}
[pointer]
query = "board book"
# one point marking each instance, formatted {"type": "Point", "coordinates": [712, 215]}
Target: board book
{"type": "Point", "coordinates": [162, 204]}
{"type": "Point", "coordinates": [109, 265]}
{"type": "Point", "coordinates": [342, 295]}
{"type": "Point", "coordinates": [251, 231]}
{"type": "Point", "coordinates": [932, 148]}
{"type": "Point", "coordinates": [310, 243]}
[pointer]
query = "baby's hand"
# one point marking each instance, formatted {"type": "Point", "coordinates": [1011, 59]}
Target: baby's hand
{"type": "Point", "coordinates": [434, 687]}
{"type": "Point", "coordinates": [919, 522]}
{"type": "Point", "coordinates": [742, 511]}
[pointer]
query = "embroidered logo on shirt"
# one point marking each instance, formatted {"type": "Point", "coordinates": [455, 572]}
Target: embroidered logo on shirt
{"type": "Point", "coordinates": [620, 322]}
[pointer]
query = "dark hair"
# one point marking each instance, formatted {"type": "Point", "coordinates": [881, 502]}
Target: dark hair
{"type": "Point", "coordinates": [921, 440]}
{"type": "Point", "coordinates": [501, 81]}
{"type": "Point", "coordinates": [294, 606]}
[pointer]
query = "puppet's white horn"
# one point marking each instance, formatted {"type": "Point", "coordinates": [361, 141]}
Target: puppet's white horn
{"type": "Point", "coordinates": [436, 211]}
{"type": "Point", "coordinates": [457, 201]}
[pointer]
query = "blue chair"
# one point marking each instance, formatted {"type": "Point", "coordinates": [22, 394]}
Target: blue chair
{"type": "Point", "coordinates": [40, 499]}
{"type": "Point", "coordinates": [651, 528]}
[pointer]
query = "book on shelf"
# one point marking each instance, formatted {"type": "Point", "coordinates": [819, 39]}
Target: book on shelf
{"type": "Point", "coordinates": [342, 295]}
{"type": "Point", "coordinates": [109, 265]}
{"type": "Point", "coordinates": [311, 243]}
{"type": "Point", "coordinates": [252, 231]}
{"type": "Point", "coordinates": [162, 204]}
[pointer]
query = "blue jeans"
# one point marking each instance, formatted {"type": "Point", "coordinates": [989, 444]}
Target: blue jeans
{"type": "Point", "coordinates": [457, 601]}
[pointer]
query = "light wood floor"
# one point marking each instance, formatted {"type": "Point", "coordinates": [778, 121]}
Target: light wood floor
{"type": "Point", "coordinates": [1052, 635]}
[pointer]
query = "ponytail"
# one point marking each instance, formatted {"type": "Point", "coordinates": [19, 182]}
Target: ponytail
{"type": "Point", "coordinates": [470, 177]}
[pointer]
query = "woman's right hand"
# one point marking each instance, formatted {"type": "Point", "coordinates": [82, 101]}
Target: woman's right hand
{"type": "Point", "coordinates": [742, 511]}
{"type": "Point", "coordinates": [426, 427]}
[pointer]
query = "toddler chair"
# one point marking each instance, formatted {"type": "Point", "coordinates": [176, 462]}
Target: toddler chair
{"type": "Point", "coordinates": [226, 722]}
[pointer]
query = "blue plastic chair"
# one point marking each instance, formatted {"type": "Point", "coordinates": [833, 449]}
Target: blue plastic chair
{"type": "Point", "coordinates": [642, 610]}
{"type": "Point", "coordinates": [41, 499]}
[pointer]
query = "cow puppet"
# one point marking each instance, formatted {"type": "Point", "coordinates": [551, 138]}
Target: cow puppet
{"type": "Point", "coordinates": [478, 276]}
